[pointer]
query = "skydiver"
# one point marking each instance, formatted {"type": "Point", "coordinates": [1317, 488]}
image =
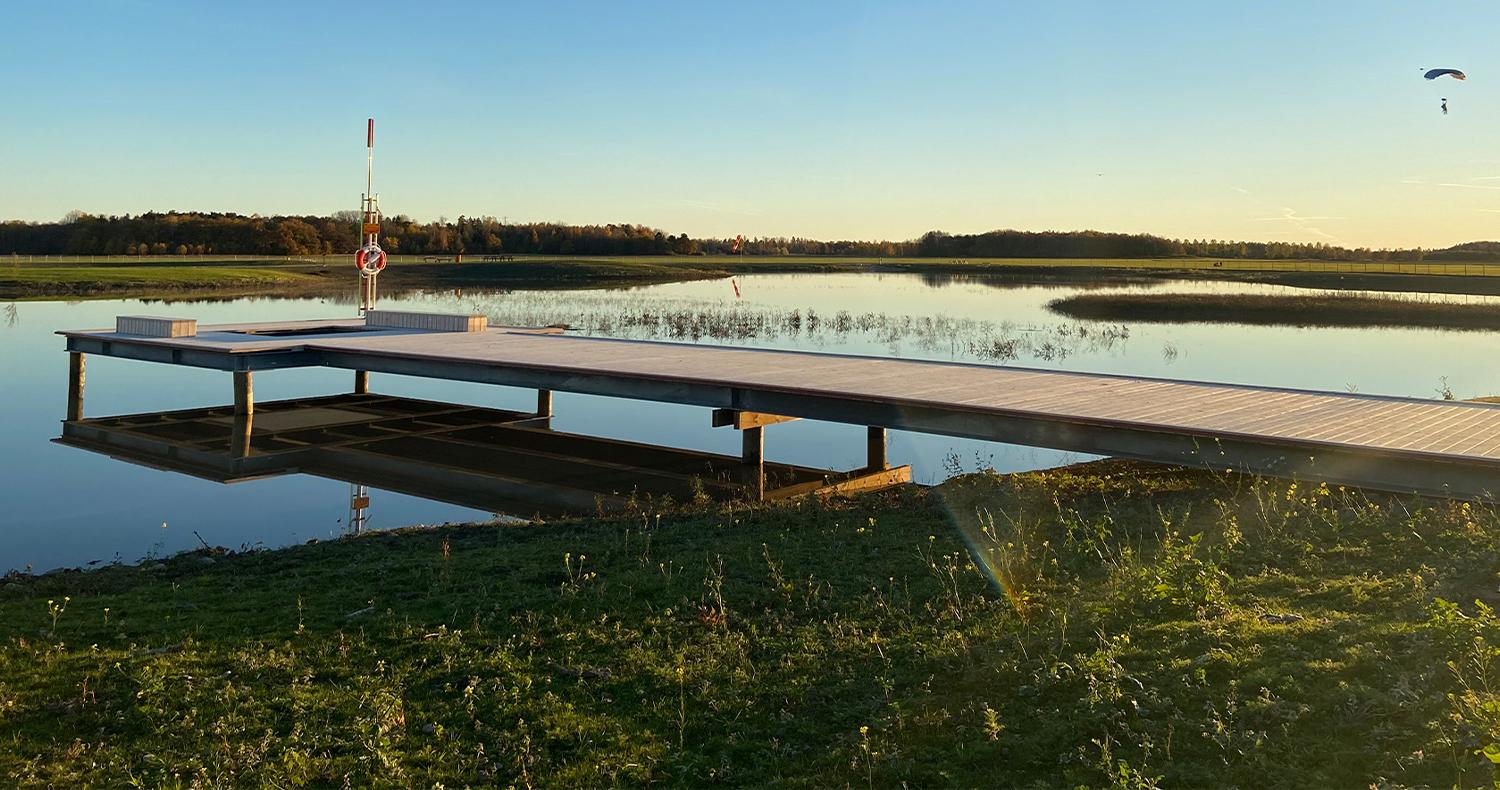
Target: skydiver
{"type": "Point", "coordinates": [1445, 105]}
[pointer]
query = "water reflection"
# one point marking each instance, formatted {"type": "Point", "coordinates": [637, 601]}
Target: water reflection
{"type": "Point", "coordinates": [500, 461]}
{"type": "Point", "coordinates": [65, 507]}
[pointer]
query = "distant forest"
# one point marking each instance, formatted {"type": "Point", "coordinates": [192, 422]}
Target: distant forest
{"type": "Point", "coordinates": [192, 233]}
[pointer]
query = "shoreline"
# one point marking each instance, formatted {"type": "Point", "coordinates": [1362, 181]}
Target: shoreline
{"type": "Point", "coordinates": [158, 279]}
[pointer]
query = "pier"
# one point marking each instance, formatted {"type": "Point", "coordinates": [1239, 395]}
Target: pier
{"type": "Point", "coordinates": [1440, 448]}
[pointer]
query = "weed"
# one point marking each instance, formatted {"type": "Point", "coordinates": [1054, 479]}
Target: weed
{"type": "Point", "coordinates": [56, 610]}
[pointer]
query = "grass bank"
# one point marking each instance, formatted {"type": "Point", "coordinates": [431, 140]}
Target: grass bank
{"type": "Point", "coordinates": [1276, 310]}
{"type": "Point", "coordinates": [1112, 624]}
{"type": "Point", "coordinates": [154, 279]}
{"type": "Point", "coordinates": [102, 281]}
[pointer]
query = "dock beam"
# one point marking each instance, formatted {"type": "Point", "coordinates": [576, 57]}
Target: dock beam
{"type": "Point", "coordinates": [75, 385]}
{"type": "Point", "coordinates": [361, 382]}
{"type": "Point", "coordinates": [544, 403]}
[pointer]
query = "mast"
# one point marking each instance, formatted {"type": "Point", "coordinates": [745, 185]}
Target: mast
{"type": "Point", "coordinates": [370, 259]}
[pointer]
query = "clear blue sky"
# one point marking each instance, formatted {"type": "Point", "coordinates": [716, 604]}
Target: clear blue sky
{"type": "Point", "coordinates": [1299, 121]}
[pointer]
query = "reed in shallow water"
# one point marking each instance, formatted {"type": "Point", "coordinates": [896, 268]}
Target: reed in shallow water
{"type": "Point", "coordinates": [1282, 310]}
{"type": "Point", "coordinates": [639, 317]}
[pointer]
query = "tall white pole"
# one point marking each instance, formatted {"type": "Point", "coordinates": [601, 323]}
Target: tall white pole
{"type": "Point", "coordinates": [369, 231]}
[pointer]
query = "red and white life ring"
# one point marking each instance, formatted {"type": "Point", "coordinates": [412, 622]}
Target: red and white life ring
{"type": "Point", "coordinates": [369, 260]}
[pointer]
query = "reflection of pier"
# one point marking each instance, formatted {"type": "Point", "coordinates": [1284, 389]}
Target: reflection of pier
{"type": "Point", "coordinates": [1402, 444]}
{"type": "Point", "coordinates": [501, 461]}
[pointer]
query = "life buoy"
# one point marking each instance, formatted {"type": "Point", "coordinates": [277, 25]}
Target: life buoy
{"type": "Point", "coordinates": [369, 260]}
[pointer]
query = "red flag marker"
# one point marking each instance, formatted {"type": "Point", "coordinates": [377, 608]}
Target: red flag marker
{"type": "Point", "coordinates": [370, 135]}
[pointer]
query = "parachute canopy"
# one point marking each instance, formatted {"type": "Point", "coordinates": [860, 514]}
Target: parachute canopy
{"type": "Point", "coordinates": [1454, 73]}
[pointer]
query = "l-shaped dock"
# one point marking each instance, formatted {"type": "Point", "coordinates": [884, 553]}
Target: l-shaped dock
{"type": "Point", "coordinates": [1441, 448]}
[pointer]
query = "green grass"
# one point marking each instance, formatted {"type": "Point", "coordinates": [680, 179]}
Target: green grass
{"type": "Point", "coordinates": [37, 281]}
{"type": "Point", "coordinates": [1134, 626]}
{"type": "Point", "coordinates": [100, 280]}
{"type": "Point", "coordinates": [1210, 265]}
{"type": "Point", "coordinates": [1278, 310]}
{"type": "Point", "coordinates": [806, 262]}
{"type": "Point", "coordinates": [566, 272]}
{"type": "Point", "coordinates": [152, 275]}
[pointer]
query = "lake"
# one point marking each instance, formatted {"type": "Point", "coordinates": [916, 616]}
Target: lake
{"type": "Point", "coordinates": [61, 506]}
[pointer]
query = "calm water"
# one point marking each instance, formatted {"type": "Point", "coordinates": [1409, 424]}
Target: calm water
{"type": "Point", "coordinates": [63, 506]}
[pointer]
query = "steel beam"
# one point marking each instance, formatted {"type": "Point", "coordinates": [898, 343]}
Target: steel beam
{"type": "Point", "coordinates": [194, 357]}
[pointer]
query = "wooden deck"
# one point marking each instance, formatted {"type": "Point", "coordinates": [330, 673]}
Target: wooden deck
{"type": "Point", "coordinates": [1406, 444]}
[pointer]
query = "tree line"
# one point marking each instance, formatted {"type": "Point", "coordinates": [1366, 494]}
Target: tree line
{"type": "Point", "coordinates": [196, 233]}
{"type": "Point", "coordinates": [201, 233]}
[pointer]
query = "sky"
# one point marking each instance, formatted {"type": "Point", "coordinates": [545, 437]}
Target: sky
{"type": "Point", "coordinates": [1270, 121]}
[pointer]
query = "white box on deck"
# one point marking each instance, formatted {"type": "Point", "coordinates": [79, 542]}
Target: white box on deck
{"type": "Point", "coordinates": [432, 322]}
{"type": "Point", "coordinates": [155, 326]}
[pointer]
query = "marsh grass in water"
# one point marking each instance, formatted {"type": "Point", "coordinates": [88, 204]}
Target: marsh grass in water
{"type": "Point", "coordinates": [1323, 310]}
{"type": "Point", "coordinates": [632, 316]}
{"type": "Point", "coordinates": [1112, 624]}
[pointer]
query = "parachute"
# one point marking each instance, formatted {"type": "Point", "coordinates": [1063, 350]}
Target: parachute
{"type": "Point", "coordinates": [1454, 73]}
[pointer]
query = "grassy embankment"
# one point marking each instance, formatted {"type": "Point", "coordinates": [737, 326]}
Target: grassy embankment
{"type": "Point", "coordinates": [803, 262]}
{"type": "Point", "coordinates": [301, 279]}
{"type": "Point", "coordinates": [102, 281]}
{"type": "Point", "coordinates": [1149, 625]}
{"type": "Point", "coordinates": [1280, 310]}
{"type": "Point", "coordinates": [209, 275]}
